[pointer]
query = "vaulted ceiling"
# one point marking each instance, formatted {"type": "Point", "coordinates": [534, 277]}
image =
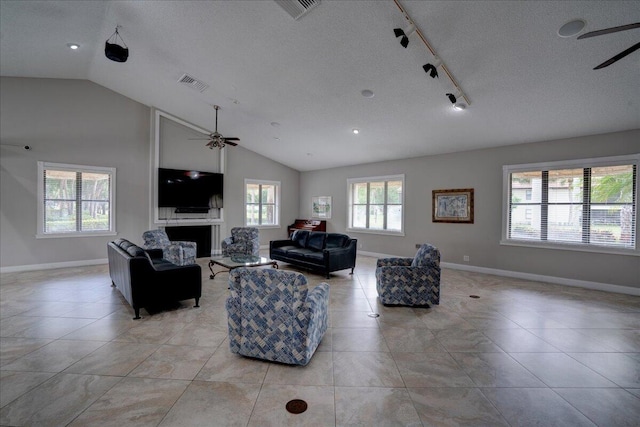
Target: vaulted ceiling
{"type": "Point", "coordinates": [291, 89]}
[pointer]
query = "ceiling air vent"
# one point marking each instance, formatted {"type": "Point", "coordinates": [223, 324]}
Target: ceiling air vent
{"type": "Point", "coordinates": [297, 8]}
{"type": "Point", "coordinates": [193, 83]}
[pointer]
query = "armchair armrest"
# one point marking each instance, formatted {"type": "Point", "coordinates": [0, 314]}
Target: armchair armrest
{"type": "Point", "coordinates": [318, 297]}
{"type": "Point", "coordinates": [317, 308]}
{"type": "Point", "coordinates": [184, 244]}
{"type": "Point", "coordinates": [395, 273]}
{"type": "Point", "coordinates": [400, 262]}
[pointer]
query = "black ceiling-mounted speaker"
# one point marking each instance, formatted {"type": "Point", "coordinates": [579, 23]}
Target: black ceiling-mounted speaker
{"type": "Point", "coordinates": [113, 50]}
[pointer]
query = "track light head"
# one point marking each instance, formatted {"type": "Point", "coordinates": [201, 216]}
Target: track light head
{"type": "Point", "coordinates": [452, 98]}
{"type": "Point", "coordinates": [404, 34]}
{"type": "Point", "coordinates": [431, 70]}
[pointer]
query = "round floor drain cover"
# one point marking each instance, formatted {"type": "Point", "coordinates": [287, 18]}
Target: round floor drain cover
{"type": "Point", "coordinates": [373, 315]}
{"type": "Point", "coordinates": [296, 406]}
{"type": "Point", "coordinates": [474, 296]}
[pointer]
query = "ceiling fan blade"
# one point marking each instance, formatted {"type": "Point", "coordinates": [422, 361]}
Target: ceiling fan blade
{"type": "Point", "coordinates": [232, 139]}
{"type": "Point", "coordinates": [233, 144]}
{"type": "Point", "coordinates": [618, 56]}
{"type": "Point", "coordinates": [609, 30]}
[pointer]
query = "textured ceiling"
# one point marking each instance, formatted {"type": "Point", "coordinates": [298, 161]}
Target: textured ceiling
{"type": "Point", "coordinates": [524, 82]}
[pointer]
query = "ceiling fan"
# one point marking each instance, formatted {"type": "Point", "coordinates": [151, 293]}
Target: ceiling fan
{"type": "Point", "coordinates": [609, 31]}
{"type": "Point", "coordinates": [216, 140]}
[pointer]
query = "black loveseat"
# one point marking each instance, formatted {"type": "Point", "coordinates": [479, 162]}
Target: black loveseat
{"type": "Point", "coordinates": [146, 280]}
{"type": "Point", "coordinates": [316, 250]}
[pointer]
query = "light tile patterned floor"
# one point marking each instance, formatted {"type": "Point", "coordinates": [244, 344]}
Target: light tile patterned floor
{"type": "Point", "coordinates": [524, 353]}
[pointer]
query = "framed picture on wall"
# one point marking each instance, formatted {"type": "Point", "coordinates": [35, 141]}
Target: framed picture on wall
{"type": "Point", "coordinates": [453, 205]}
{"type": "Point", "coordinates": [321, 207]}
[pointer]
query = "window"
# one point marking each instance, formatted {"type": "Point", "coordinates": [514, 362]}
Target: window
{"type": "Point", "coordinates": [376, 204]}
{"type": "Point", "coordinates": [75, 200]}
{"type": "Point", "coordinates": [589, 204]}
{"type": "Point", "coordinates": [262, 203]}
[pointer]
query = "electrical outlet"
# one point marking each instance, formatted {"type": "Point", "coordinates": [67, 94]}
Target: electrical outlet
{"type": "Point", "coordinates": [418, 245]}
{"type": "Point", "coordinates": [360, 246]}
{"type": "Point", "coordinates": [465, 258]}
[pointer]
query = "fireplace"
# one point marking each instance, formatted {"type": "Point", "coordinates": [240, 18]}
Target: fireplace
{"type": "Point", "coordinates": [201, 234]}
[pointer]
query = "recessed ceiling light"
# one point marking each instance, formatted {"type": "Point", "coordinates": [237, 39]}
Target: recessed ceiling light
{"type": "Point", "coordinates": [367, 93]}
{"type": "Point", "coordinates": [276, 138]}
{"type": "Point", "coordinates": [571, 28]}
{"type": "Point", "coordinates": [275, 124]}
{"type": "Point", "coordinates": [356, 131]}
{"type": "Point", "coordinates": [73, 46]}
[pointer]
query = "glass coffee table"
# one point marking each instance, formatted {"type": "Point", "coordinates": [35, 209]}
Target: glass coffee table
{"type": "Point", "coordinates": [239, 261]}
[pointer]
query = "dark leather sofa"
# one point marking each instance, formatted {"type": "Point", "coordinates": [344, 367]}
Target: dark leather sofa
{"type": "Point", "coordinates": [316, 250]}
{"type": "Point", "coordinates": [146, 280]}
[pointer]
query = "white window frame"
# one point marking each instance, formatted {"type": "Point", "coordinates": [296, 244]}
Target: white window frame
{"type": "Point", "coordinates": [385, 178]}
{"type": "Point", "coordinates": [261, 182]}
{"type": "Point", "coordinates": [507, 170]}
{"type": "Point", "coordinates": [42, 166]}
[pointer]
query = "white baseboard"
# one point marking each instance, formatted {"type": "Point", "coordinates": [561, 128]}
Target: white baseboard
{"type": "Point", "coordinates": [53, 265]}
{"type": "Point", "coordinates": [606, 287]}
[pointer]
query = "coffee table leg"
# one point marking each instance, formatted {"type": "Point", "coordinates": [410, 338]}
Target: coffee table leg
{"type": "Point", "coordinates": [212, 275]}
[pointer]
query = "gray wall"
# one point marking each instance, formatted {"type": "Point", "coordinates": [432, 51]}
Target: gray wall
{"type": "Point", "coordinates": [80, 122]}
{"type": "Point", "coordinates": [241, 164]}
{"type": "Point", "coordinates": [179, 152]}
{"type": "Point", "coordinates": [76, 121]}
{"type": "Point", "coordinates": [67, 121]}
{"type": "Point", "coordinates": [481, 170]}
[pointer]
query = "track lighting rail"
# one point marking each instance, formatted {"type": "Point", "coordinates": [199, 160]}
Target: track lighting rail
{"type": "Point", "coordinates": [444, 68]}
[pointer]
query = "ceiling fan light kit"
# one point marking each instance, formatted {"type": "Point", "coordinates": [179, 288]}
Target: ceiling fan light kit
{"type": "Point", "coordinates": [430, 68]}
{"type": "Point", "coordinates": [216, 140]}
{"type": "Point", "coordinates": [571, 28]}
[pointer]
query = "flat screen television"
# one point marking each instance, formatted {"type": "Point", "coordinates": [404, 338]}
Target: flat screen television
{"type": "Point", "coordinates": [189, 190]}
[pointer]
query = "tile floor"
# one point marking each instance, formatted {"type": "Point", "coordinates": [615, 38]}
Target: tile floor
{"type": "Point", "coordinates": [524, 353]}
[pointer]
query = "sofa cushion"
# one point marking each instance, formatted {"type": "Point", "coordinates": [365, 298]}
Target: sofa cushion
{"type": "Point", "coordinates": [300, 237]}
{"type": "Point", "coordinates": [126, 245]}
{"type": "Point", "coordinates": [162, 264]}
{"type": "Point", "coordinates": [316, 240]}
{"type": "Point", "coordinates": [283, 250]}
{"type": "Point", "coordinates": [317, 257]}
{"type": "Point", "coordinates": [336, 240]}
{"type": "Point", "coordinates": [155, 261]}
{"type": "Point", "coordinates": [299, 253]}
{"type": "Point", "coordinates": [135, 251]}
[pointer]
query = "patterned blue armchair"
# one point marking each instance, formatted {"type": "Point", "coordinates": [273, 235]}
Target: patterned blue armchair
{"type": "Point", "coordinates": [176, 252]}
{"type": "Point", "coordinates": [243, 241]}
{"type": "Point", "coordinates": [410, 281]}
{"type": "Point", "coordinates": [273, 316]}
